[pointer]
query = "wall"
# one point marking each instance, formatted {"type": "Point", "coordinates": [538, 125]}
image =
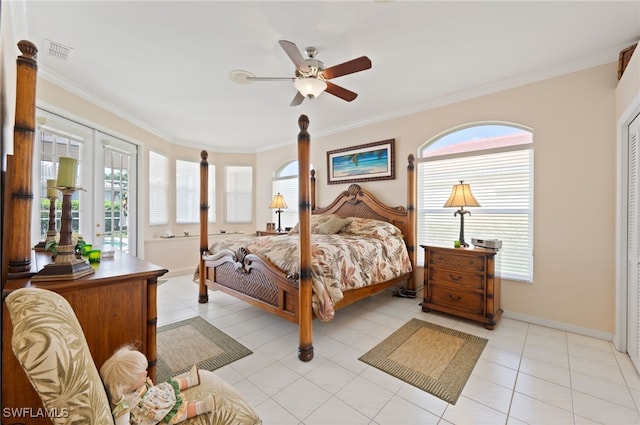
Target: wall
{"type": "Point", "coordinates": [58, 100]}
{"type": "Point", "coordinates": [573, 120]}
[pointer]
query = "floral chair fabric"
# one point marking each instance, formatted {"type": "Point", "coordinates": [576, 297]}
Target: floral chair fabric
{"type": "Point", "coordinates": [51, 348]}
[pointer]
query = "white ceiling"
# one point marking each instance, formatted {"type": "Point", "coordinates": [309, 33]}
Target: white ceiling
{"type": "Point", "coordinates": [165, 65]}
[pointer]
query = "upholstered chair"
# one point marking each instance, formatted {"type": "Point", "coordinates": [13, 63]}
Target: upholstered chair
{"type": "Point", "coordinates": [51, 348]}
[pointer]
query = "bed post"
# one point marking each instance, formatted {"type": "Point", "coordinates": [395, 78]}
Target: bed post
{"type": "Point", "coordinates": [203, 294]}
{"type": "Point", "coordinates": [305, 312]}
{"type": "Point", "coordinates": [20, 188]}
{"type": "Point", "coordinates": [313, 190]}
{"type": "Point", "coordinates": [411, 211]}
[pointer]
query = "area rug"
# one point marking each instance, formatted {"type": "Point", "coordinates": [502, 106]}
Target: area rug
{"type": "Point", "coordinates": [433, 358]}
{"type": "Point", "coordinates": [191, 342]}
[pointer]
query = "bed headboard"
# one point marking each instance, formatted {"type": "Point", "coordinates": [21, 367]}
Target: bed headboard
{"type": "Point", "coordinates": [358, 202]}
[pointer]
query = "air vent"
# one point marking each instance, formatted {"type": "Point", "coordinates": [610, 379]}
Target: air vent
{"type": "Point", "coordinates": [57, 50]}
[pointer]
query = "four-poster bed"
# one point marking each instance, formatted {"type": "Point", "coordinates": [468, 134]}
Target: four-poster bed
{"type": "Point", "coordinates": [255, 278]}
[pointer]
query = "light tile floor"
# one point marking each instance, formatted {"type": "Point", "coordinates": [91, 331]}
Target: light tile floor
{"type": "Point", "coordinates": [527, 374]}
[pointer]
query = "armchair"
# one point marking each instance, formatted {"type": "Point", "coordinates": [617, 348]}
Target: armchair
{"type": "Point", "coordinates": [51, 348]}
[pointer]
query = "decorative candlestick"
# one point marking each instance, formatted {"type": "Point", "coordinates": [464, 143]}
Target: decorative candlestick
{"type": "Point", "coordinates": [66, 265]}
{"type": "Point", "coordinates": [52, 233]}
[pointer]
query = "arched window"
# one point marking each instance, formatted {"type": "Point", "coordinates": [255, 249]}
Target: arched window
{"type": "Point", "coordinates": [285, 182]}
{"type": "Point", "coordinates": [496, 160]}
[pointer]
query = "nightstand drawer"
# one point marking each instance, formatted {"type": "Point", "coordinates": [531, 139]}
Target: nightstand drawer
{"type": "Point", "coordinates": [468, 302]}
{"type": "Point", "coordinates": [471, 263]}
{"type": "Point", "coordinates": [466, 280]}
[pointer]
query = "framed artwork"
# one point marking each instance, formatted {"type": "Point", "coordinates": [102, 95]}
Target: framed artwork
{"type": "Point", "coordinates": [372, 161]}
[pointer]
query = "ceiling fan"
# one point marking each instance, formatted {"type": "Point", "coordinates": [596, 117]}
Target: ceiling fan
{"type": "Point", "coordinates": [311, 76]}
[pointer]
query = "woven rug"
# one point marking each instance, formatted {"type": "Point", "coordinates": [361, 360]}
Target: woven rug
{"type": "Point", "coordinates": [433, 358]}
{"type": "Point", "coordinates": [194, 342]}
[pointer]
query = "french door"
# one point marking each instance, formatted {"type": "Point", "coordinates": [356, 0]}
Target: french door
{"type": "Point", "coordinates": [115, 230]}
{"type": "Point", "coordinates": [104, 209]}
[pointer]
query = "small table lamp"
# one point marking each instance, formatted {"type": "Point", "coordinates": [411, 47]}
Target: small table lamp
{"type": "Point", "coordinates": [278, 203]}
{"type": "Point", "coordinates": [461, 197]}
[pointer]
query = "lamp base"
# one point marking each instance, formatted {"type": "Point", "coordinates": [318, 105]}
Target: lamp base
{"type": "Point", "coordinates": [65, 271]}
{"type": "Point", "coordinates": [65, 267]}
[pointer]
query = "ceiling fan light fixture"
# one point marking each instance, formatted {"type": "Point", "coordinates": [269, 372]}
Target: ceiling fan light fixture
{"type": "Point", "coordinates": [310, 86]}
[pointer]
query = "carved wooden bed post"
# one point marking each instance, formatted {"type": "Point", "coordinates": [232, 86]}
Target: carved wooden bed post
{"type": "Point", "coordinates": [411, 209]}
{"type": "Point", "coordinates": [305, 328]}
{"type": "Point", "coordinates": [203, 293]}
{"type": "Point", "coordinates": [19, 166]}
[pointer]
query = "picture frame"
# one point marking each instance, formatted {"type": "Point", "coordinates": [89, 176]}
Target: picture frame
{"type": "Point", "coordinates": [368, 162]}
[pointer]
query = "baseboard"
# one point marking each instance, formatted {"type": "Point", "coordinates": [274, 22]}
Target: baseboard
{"type": "Point", "coordinates": [607, 336]}
{"type": "Point", "coordinates": [181, 271]}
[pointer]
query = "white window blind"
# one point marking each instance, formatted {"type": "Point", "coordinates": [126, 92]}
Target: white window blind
{"type": "Point", "coordinates": [238, 193]}
{"type": "Point", "coordinates": [188, 192]}
{"type": "Point", "coordinates": [158, 188]}
{"type": "Point", "coordinates": [502, 183]}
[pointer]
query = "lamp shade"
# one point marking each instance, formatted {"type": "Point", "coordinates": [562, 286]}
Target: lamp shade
{"type": "Point", "coordinates": [310, 86]}
{"type": "Point", "coordinates": [461, 196]}
{"type": "Point", "coordinates": [278, 202]}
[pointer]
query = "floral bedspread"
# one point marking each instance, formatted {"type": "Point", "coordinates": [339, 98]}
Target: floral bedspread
{"type": "Point", "coordinates": [361, 254]}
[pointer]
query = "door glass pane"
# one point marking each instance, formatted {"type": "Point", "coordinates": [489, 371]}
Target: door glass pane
{"type": "Point", "coordinates": [52, 146]}
{"type": "Point", "coordinates": [117, 166]}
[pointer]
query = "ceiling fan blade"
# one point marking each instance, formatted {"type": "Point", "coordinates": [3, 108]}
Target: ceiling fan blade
{"type": "Point", "coordinates": [340, 92]}
{"type": "Point", "coordinates": [294, 54]}
{"type": "Point", "coordinates": [297, 100]}
{"type": "Point", "coordinates": [354, 65]}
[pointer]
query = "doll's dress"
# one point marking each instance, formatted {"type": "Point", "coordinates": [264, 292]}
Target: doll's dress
{"type": "Point", "coordinates": [152, 404]}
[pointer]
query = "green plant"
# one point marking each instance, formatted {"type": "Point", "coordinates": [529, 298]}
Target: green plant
{"type": "Point", "coordinates": [52, 245]}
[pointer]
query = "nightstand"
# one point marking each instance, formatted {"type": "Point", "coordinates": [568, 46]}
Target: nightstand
{"type": "Point", "coordinates": [464, 282]}
{"type": "Point", "coordinates": [269, 233]}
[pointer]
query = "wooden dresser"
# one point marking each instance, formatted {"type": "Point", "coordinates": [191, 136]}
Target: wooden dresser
{"type": "Point", "coordinates": [115, 306]}
{"type": "Point", "coordinates": [464, 282]}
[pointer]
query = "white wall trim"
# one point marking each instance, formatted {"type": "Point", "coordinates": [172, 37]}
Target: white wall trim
{"type": "Point", "coordinates": [567, 327]}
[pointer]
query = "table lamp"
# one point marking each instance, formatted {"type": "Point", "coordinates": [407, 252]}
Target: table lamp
{"type": "Point", "coordinates": [278, 203]}
{"type": "Point", "coordinates": [461, 197]}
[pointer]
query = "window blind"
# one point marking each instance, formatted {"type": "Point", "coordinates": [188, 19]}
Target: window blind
{"type": "Point", "coordinates": [188, 192]}
{"type": "Point", "coordinates": [158, 189]}
{"type": "Point", "coordinates": [502, 183]}
{"type": "Point", "coordinates": [238, 193]}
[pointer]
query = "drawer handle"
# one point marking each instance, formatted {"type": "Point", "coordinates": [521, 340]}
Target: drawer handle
{"type": "Point", "coordinates": [458, 298]}
{"type": "Point", "coordinates": [455, 278]}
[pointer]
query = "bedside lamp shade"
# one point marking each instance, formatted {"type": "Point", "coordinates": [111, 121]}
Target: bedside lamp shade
{"type": "Point", "coordinates": [461, 197]}
{"type": "Point", "coordinates": [278, 204]}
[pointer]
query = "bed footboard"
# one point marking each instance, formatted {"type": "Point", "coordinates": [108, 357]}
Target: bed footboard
{"type": "Point", "coordinates": [254, 280]}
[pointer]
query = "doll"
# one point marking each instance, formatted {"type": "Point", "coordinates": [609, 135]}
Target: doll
{"type": "Point", "coordinates": [134, 398]}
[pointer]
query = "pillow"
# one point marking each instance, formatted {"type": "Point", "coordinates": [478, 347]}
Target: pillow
{"type": "Point", "coordinates": [372, 228]}
{"type": "Point", "coordinates": [316, 222]}
{"type": "Point", "coordinates": [333, 226]}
